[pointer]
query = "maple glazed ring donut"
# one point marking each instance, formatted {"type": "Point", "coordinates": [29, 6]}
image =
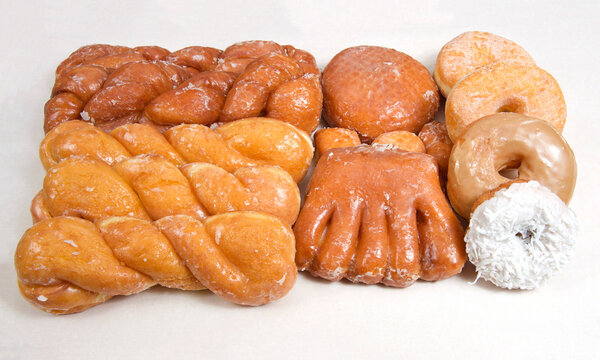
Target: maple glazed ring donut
{"type": "Point", "coordinates": [508, 141]}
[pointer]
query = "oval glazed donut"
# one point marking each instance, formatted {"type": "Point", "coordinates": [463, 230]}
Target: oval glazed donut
{"type": "Point", "coordinates": [505, 141]}
{"type": "Point", "coordinates": [505, 87]}
{"type": "Point", "coordinates": [374, 90]}
{"type": "Point", "coordinates": [471, 50]}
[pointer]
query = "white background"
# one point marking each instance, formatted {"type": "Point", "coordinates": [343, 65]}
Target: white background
{"type": "Point", "coordinates": [450, 319]}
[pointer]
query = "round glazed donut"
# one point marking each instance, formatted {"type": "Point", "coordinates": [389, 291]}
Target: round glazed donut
{"type": "Point", "coordinates": [520, 235]}
{"type": "Point", "coordinates": [505, 87]}
{"type": "Point", "coordinates": [374, 90]}
{"type": "Point", "coordinates": [471, 50]}
{"type": "Point", "coordinates": [508, 141]}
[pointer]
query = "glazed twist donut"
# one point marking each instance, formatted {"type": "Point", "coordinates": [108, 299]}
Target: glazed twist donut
{"type": "Point", "coordinates": [374, 214]}
{"type": "Point", "coordinates": [114, 85]}
{"type": "Point", "coordinates": [66, 265]}
{"type": "Point", "coordinates": [150, 187]}
{"type": "Point", "coordinates": [242, 143]}
{"type": "Point", "coordinates": [508, 141]}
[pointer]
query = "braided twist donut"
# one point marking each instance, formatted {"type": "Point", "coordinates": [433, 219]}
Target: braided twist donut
{"type": "Point", "coordinates": [66, 265]}
{"type": "Point", "coordinates": [374, 214]}
{"type": "Point", "coordinates": [150, 187]}
{"type": "Point", "coordinates": [115, 85]}
{"type": "Point", "coordinates": [242, 143]}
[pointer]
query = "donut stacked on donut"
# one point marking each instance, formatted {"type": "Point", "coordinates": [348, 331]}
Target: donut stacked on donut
{"type": "Point", "coordinates": [481, 74]}
{"type": "Point", "coordinates": [505, 113]}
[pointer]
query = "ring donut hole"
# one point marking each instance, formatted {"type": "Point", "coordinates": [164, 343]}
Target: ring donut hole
{"type": "Point", "coordinates": [512, 105]}
{"type": "Point", "coordinates": [510, 170]}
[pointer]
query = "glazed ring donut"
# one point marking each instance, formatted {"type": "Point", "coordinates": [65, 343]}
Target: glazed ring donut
{"type": "Point", "coordinates": [508, 141]}
{"type": "Point", "coordinates": [470, 51]}
{"type": "Point", "coordinates": [374, 90]}
{"type": "Point", "coordinates": [505, 87]}
{"type": "Point", "coordinates": [520, 235]}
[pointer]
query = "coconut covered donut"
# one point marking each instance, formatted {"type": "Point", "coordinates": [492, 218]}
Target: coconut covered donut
{"type": "Point", "coordinates": [505, 87]}
{"type": "Point", "coordinates": [374, 90]}
{"type": "Point", "coordinates": [471, 50]}
{"type": "Point", "coordinates": [508, 141]}
{"type": "Point", "coordinates": [520, 235]}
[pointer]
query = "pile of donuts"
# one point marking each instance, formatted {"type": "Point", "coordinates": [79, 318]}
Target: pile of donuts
{"type": "Point", "coordinates": [181, 169]}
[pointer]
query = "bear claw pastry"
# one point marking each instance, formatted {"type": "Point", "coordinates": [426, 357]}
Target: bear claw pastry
{"type": "Point", "coordinates": [374, 214]}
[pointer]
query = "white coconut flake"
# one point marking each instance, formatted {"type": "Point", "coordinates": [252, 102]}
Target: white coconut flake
{"type": "Point", "coordinates": [521, 236]}
{"type": "Point", "coordinates": [85, 116]}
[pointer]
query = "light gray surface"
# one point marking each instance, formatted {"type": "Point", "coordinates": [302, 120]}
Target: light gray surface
{"type": "Point", "coordinates": [449, 319]}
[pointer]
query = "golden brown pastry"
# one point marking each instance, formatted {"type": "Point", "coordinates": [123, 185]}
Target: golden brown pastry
{"type": "Point", "coordinates": [66, 264]}
{"type": "Point", "coordinates": [437, 143]}
{"type": "Point", "coordinates": [115, 85]}
{"type": "Point", "coordinates": [242, 143]}
{"type": "Point", "coordinates": [508, 86]}
{"type": "Point", "coordinates": [375, 214]}
{"type": "Point", "coordinates": [508, 141]}
{"type": "Point", "coordinates": [331, 138]}
{"type": "Point", "coordinates": [374, 90]}
{"type": "Point", "coordinates": [150, 187]}
{"type": "Point", "coordinates": [471, 50]}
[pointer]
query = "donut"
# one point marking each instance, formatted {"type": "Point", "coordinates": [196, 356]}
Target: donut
{"type": "Point", "coordinates": [374, 90]}
{"type": "Point", "coordinates": [505, 87]}
{"type": "Point", "coordinates": [331, 138]}
{"type": "Point", "coordinates": [403, 140]}
{"type": "Point", "coordinates": [520, 235]}
{"type": "Point", "coordinates": [508, 141]}
{"type": "Point", "coordinates": [471, 50]}
{"type": "Point", "coordinates": [437, 143]}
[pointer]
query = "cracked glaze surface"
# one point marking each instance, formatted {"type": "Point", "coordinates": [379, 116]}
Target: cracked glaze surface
{"type": "Point", "coordinates": [377, 214]}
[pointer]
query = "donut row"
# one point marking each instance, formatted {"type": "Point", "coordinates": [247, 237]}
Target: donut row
{"type": "Point", "coordinates": [181, 169]}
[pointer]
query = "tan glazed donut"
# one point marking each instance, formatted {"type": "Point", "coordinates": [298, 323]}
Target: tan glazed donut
{"type": "Point", "coordinates": [505, 87]}
{"type": "Point", "coordinates": [471, 50]}
{"type": "Point", "coordinates": [504, 141]}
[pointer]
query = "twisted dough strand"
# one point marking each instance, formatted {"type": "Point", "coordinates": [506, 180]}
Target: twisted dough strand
{"type": "Point", "coordinates": [151, 187]}
{"type": "Point", "coordinates": [67, 264]}
{"type": "Point", "coordinates": [242, 143]}
{"type": "Point", "coordinates": [114, 85]}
